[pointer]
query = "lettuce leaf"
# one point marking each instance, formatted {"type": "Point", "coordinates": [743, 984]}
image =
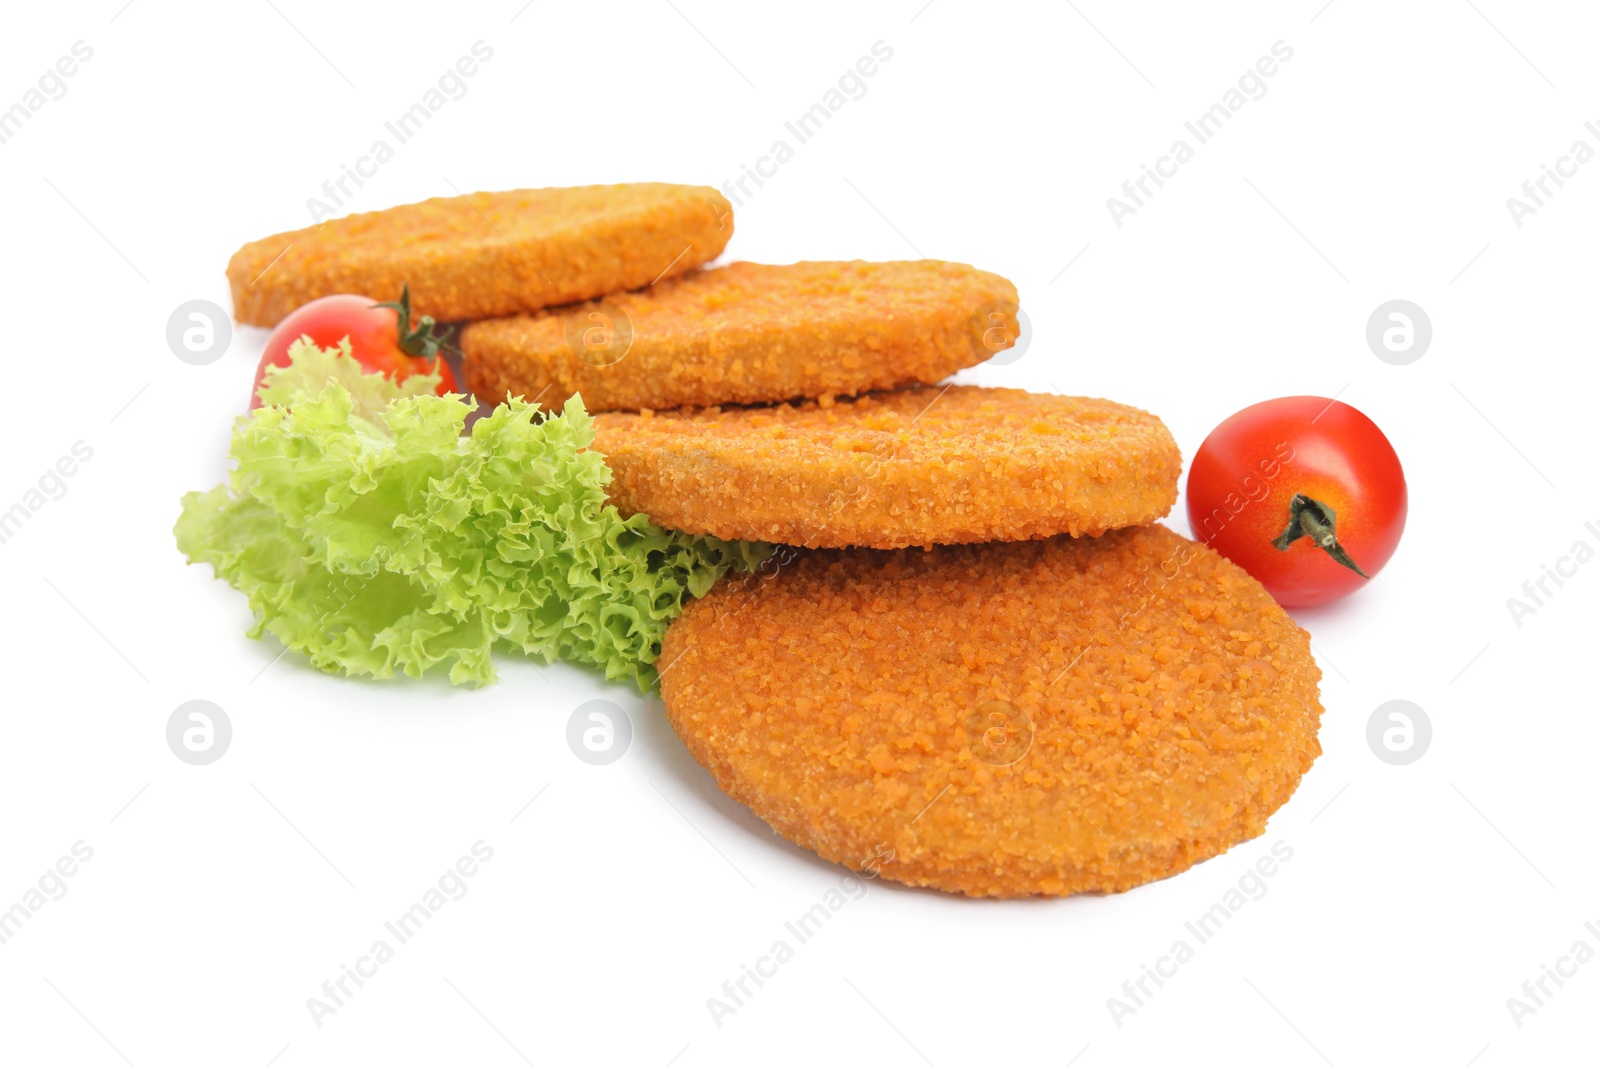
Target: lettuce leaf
{"type": "Point", "coordinates": [310, 368]}
{"type": "Point", "coordinates": [371, 536]}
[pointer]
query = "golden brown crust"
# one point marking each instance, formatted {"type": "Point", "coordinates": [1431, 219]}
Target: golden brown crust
{"type": "Point", "coordinates": [869, 706]}
{"type": "Point", "coordinates": [889, 470]}
{"type": "Point", "coordinates": [485, 254]}
{"type": "Point", "coordinates": [751, 333]}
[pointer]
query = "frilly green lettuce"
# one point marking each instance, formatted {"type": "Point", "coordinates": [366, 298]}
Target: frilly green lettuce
{"type": "Point", "coordinates": [371, 536]}
{"type": "Point", "coordinates": [311, 368]}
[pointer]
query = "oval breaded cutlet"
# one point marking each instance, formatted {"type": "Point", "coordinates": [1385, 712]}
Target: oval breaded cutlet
{"type": "Point", "coordinates": [750, 333]}
{"type": "Point", "coordinates": [1047, 717]}
{"type": "Point", "coordinates": [484, 254]}
{"type": "Point", "coordinates": [889, 470]}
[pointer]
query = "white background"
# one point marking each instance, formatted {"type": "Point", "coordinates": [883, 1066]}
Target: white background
{"type": "Point", "coordinates": [1377, 166]}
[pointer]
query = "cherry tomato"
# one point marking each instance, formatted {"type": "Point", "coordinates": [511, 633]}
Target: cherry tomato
{"type": "Point", "coordinates": [1303, 492]}
{"type": "Point", "coordinates": [376, 338]}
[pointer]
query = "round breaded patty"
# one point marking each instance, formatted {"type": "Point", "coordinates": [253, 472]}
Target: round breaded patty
{"type": "Point", "coordinates": [1047, 717]}
{"type": "Point", "coordinates": [484, 254]}
{"type": "Point", "coordinates": [890, 470]}
{"type": "Point", "coordinates": [750, 333]}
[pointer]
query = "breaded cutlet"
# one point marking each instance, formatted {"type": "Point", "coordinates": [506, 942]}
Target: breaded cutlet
{"type": "Point", "coordinates": [1044, 717]}
{"type": "Point", "coordinates": [487, 254]}
{"type": "Point", "coordinates": [887, 470]}
{"type": "Point", "coordinates": [749, 333]}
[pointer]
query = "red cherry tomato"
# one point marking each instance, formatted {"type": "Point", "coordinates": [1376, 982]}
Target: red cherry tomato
{"type": "Point", "coordinates": [376, 339]}
{"type": "Point", "coordinates": [1303, 492]}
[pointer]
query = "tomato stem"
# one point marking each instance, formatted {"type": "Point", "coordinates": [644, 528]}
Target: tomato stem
{"type": "Point", "coordinates": [1314, 519]}
{"type": "Point", "coordinates": [426, 338]}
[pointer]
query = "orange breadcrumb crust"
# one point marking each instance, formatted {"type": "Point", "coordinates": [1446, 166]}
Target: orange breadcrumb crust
{"type": "Point", "coordinates": [848, 700]}
{"type": "Point", "coordinates": [485, 254]}
{"type": "Point", "coordinates": [889, 470]}
{"type": "Point", "coordinates": [751, 333]}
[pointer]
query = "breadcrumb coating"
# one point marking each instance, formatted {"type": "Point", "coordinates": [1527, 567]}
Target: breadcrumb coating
{"type": "Point", "coordinates": [1045, 717]}
{"type": "Point", "coordinates": [752, 333]}
{"type": "Point", "coordinates": [890, 470]}
{"type": "Point", "coordinates": [485, 254]}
